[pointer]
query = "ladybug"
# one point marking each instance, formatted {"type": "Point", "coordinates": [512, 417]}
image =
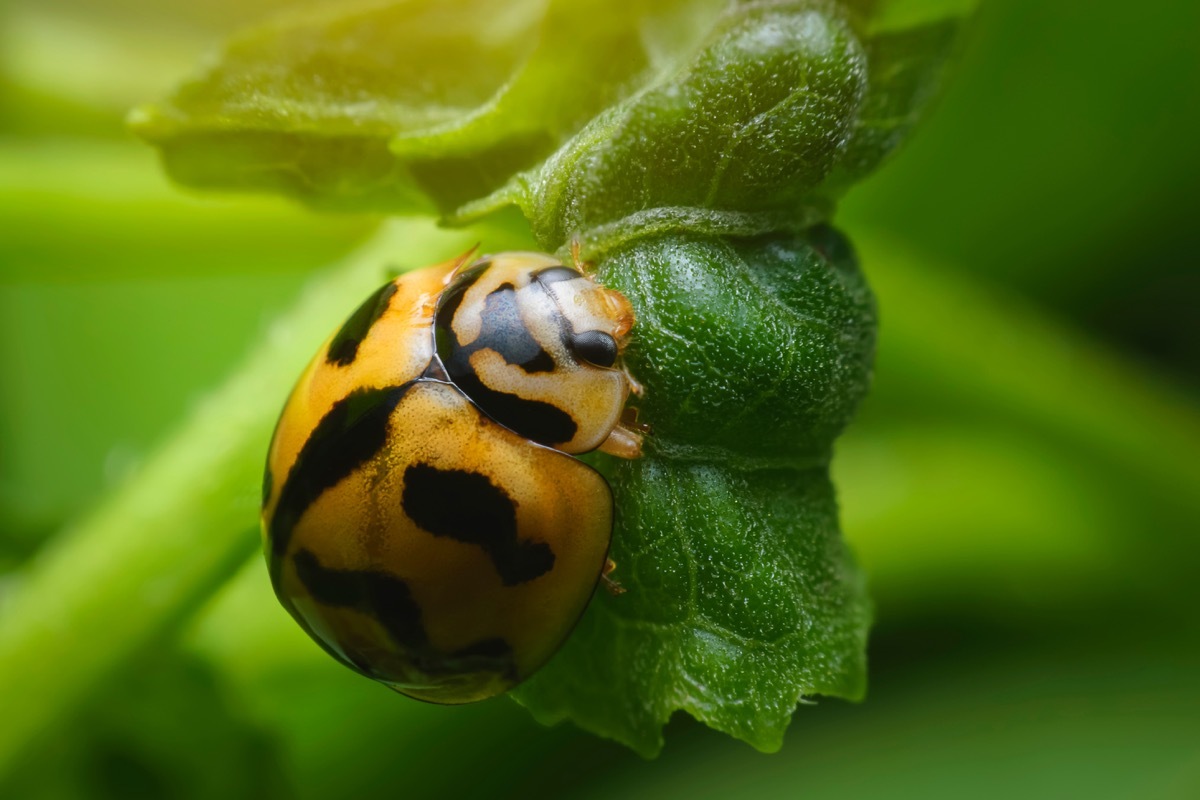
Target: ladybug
{"type": "Point", "coordinates": [424, 519]}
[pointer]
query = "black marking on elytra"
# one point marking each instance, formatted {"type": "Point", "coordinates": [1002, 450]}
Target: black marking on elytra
{"type": "Point", "coordinates": [348, 436]}
{"type": "Point", "coordinates": [344, 347]}
{"type": "Point", "coordinates": [501, 330]}
{"type": "Point", "coordinates": [268, 481]}
{"type": "Point", "coordinates": [383, 597]}
{"type": "Point", "coordinates": [388, 600]}
{"type": "Point", "coordinates": [556, 274]}
{"type": "Point", "coordinates": [495, 647]}
{"type": "Point", "coordinates": [493, 655]}
{"type": "Point", "coordinates": [467, 507]}
{"type": "Point", "coordinates": [594, 347]}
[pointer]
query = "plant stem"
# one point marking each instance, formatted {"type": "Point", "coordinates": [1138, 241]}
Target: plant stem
{"type": "Point", "coordinates": [983, 350]}
{"type": "Point", "coordinates": [157, 547]}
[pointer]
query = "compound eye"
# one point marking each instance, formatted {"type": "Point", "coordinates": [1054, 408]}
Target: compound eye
{"type": "Point", "coordinates": [595, 347]}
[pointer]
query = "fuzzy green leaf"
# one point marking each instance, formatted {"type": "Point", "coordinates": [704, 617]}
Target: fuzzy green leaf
{"type": "Point", "coordinates": [749, 126]}
{"type": "Point", "coordinates": [408, 106]}
{"type": "Point", "coordinates": [906, 69]}
{"type": "Point", "coordinates": [782, 108]}
{"type": "Point", "coordinates": [578, 113]}
{"type": "Point", "coordinates": [742, 599]}
{"type": "Point", "coordinates": [307, 105]}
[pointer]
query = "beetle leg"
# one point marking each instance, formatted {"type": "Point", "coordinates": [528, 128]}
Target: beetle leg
{"type": "Point", "coordinates": [623, 442]}
{"type": "Point", "coordinates": [630, 419]}
{"type": "Point", "coordinates": [613, 587]}
{"type": "Point", "coordinates": [634, 386]}
{"type": "Point", "coordinates": [577, 257]}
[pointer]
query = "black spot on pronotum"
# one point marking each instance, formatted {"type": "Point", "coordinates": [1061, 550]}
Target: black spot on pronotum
{"type": "Point", "coordinates": [556, 274]}
{"type": "Point", "coordinates": [502, 331]}
{"type": "Point", "coordinates": [595, 347]}
{"type": "Point", "coordinates": [348, 436]}
{"type": "Point", "coordinates": [385, 598]}
{"type": "Point", "coordinates": [344, 347]}
{"type": "Point", "coordinates": [542, 362]}
{"type": "Point", "coordinates": [469, 508]}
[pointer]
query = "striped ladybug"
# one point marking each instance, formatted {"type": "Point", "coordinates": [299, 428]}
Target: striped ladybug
{"type": "Point", "coordinates": [423, 518]}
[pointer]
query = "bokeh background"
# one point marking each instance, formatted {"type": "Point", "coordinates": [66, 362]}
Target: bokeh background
{"type": "Point", "coordinates": [1023, 485]}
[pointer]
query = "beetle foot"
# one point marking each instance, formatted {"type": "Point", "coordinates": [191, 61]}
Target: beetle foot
{"type": "Point", "coordinates": [623, 442]}
{"type": "Point", "coordinates": [613, 587]}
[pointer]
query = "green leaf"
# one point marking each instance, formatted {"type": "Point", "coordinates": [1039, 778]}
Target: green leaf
{"type": "Point", "coordinates": [780, 111]}
{"type": "Point", "coordinates": [577, 113]}
{"type": "Point", "coordinates": [407, 106]}
{"type": "Point", "coordinates": [306, 105]}
{"type": "Point", "coordinates": [906, 70]}
{"type": "Point", "coordinates": [742, 599]}
{"type": "Point", "coordinates": [754, 120]}
{"type": "Point", "coordinates": [758, 346]}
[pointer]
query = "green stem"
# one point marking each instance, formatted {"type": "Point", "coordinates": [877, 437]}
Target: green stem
{"type": "Point", "coordinates": [975, 348]}
{"type": "Point", "coordinates": [159, 546]}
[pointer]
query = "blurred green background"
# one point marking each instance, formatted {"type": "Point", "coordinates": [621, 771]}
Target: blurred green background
{"type": "Point", "coordinates": [1023, 485]}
